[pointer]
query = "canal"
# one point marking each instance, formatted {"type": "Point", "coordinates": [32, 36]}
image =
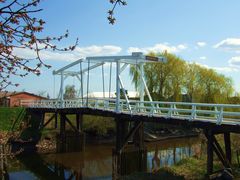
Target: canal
{"type": "Point", "coordinates": [96, 161]}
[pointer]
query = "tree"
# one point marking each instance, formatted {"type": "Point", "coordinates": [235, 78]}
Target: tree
{"type": "Point", "coordinates": [20, 29]}
{"type": "Point", "coordinates": [193, 87]}
{"type": "Point", "coordinates": [164, 80]}
{"type": "Point", "coordinates": [70, 92]}
{"type": "Point", "coordinates": [174, 79]}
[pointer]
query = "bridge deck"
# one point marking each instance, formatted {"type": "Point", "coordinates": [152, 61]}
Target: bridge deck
{"type": "Point", "coordinates": [126, 116]}
{"type": "Point", "coordinates": [228, 114]}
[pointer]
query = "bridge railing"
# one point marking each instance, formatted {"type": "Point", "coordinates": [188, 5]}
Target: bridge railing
{"type": "Point", "coordinates": [217, 113]}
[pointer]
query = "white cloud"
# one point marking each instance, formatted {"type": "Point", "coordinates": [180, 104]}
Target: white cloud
{"type": "Point", "coordinates": [98, 50]}
{"type": "Point", "coordinates": [161, 47]}
{"type": "Point", "coordinates": [79, 52]}
{"type": "Point", "coordinates": [225, 69]}
{"type": "Point", "coordinates": [202, 65]}
{"type": "Point", "coordinates": [235, 61]}
{"type": "Point", "coordinates": [230, 44]}
{"type": "Point", "coordinates": [201, 44]}
{"type": "Point", "coordinates": [220, 69]}
{"type": "Point", "coordinates": [203, 57]}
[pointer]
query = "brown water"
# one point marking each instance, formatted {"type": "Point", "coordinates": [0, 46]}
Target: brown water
{"type": "Point", "coordinates": [96, 161]}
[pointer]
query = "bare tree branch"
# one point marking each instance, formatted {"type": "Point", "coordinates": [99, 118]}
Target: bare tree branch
{"type": "Point", "coordinates": [111, 18]}
{"type": "Point", "coordinates": [20, 29]}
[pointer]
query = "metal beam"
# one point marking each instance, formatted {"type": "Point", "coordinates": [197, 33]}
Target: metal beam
{"type": "Point", "coordinates": [117, 87]}
{"type": "Point", "coordinates": [125, 95]}
{"type": "Point", "coordinates": [135, 58]}
{"type": "Point", "coordinates": [123, 67]}
{"type": "Point", "coordinates": [141, 91]}
{"type": "Point", "coordinates": [74, 73]}
{"type": "Point", "coordinates": [67, 66]}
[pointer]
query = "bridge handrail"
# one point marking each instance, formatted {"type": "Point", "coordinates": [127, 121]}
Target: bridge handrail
{"type": "Point", "coordinates": [219, 113]}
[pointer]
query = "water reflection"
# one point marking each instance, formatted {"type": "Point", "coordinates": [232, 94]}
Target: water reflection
{"type": "Point", "coordinates": [96, 161]}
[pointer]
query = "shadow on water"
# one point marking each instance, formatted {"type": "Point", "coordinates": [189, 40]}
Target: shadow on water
{"type": "Point", "coordinates": [96, 161]}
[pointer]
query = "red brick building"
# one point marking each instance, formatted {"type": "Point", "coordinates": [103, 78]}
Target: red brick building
{"type": "Point", "coordinates": [13, 99]}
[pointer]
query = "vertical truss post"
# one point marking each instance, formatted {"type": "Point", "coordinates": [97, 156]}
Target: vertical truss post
{"type": "Point", "coordinates": [141, 91]}
{"type": "Point", "coordinates": [61, 89]}
{"type": "Point", "coordinates": [117, 109]}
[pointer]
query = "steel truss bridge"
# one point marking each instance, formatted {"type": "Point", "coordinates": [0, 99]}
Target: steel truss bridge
{"type": "Point", "coordinates": [215, 113]}
{"type": "Point", "coordinates": [211, 118]}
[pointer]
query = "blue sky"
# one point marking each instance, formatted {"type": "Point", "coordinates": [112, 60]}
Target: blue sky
{"type": "Point", "coordinates": [205, 32]}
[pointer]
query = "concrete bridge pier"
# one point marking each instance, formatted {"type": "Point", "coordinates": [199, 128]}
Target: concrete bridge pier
{"type": "Point", "coordinates": [130, 154]}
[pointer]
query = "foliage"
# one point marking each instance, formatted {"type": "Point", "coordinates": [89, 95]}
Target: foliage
{"type": "Point", "coordinates": [8, 116]}
{"type": "Point", "coordinates": [164, 173]}
{"type": "Point", "coordinates": [98, 125]}
{"type": "Point", "coordinates": [21, 29]}
{"type": "Point", "coordinates": [70, 92]}
{"type": "Point", "coordinates": [177, 80]}
{"type": "Point", "coordinates": [122, 96]}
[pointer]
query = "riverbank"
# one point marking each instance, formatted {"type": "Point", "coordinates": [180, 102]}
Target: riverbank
{"type": "Point", "coordinates": [190, 169]}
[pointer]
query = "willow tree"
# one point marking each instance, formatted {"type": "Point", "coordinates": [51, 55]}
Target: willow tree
{"type": "Point", "coordinates": [176, 78]}
{"type": "Point", "coordinates": [164, 80]}
{"type": "Point", "coordinates": [216, 87]}
{"type": "Point", "coordinates": [193, 87]}
{"type": "Point", "coordinates": [70, 92]}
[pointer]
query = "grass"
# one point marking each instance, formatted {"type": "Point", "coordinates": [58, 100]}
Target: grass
{"type": "Point", "coordinates": [191, 168]}
{"type": "Point", "coordinates": [164, 173]}
{"type": "Point", "coordinates": [8, 116]}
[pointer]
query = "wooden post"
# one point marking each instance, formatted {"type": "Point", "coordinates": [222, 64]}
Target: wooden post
{"type": "Point", "coordinates": [79, 122]}
{"type": "Point", "coordinates": [56, 120]}
{"type": "Point", "coordinates": [209, 135]}
{"type": "Point", "coordinates": [138, 138]}
{"type": "Point", "coordinates": [227, 141]}
{"type": "Point", "coordinates": [62, 124]}
{"type": "Point", "coordinates": [42, 119]}
{"type": "Point", "coordinates": [174, 155]}
{"type": "Point", "coordinates": [119, 135]}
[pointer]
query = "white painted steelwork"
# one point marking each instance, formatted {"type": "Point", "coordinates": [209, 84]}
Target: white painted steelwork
{"type": "Point", "coordinates": [136, 58]}
{"type": "Point", "coordinates": [215, 113]}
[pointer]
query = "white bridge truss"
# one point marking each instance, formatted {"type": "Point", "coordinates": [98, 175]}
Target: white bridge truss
{"type": "Point", "coordinates": [121, 62]}
{"type": "Point", "coordinates": [215, 113]}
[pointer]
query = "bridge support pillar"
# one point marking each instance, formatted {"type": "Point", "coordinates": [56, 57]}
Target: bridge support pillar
{"type": "Point", "coordinates": [62, 124]}
{"type": "Point", "coordinates": [209, 135]}
{"type": "Point", "coordinates": [121, 127]}
{"type": "Point", "coordinates": [71, 140]}
{"type": "Point", "coordinates": [227, 140]}
{"type": "Point", "coordinates": [129, 158]}
{"type": "Point", "coordinates": [214, 146]}
{"type": "Point", "coordinates": [138, 137]}
{"type": "Point", "coordinates": [56, 120]}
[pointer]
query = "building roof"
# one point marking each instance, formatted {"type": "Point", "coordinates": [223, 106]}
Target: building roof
{"type": "Point", "coordinates": [6, 94]}
{"type": "Point", "coordinates": [9, 94]}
